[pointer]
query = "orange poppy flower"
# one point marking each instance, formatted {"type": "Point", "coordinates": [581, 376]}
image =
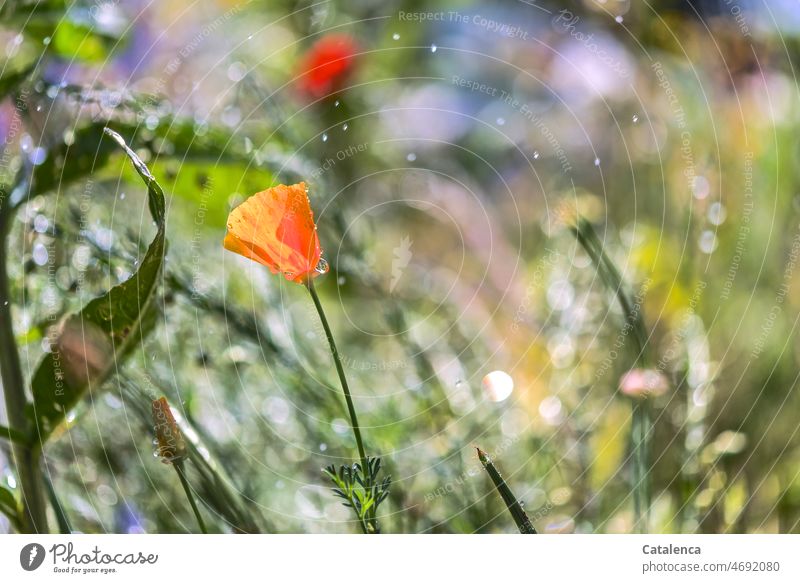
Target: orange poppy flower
{"type": "Point", "coordinates": [276, 228]}
{"type": "Point", "coordinates": [327, 65]}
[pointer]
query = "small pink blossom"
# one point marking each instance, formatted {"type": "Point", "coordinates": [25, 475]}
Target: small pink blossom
{"type": "Point", "coordinates": [642, 382]}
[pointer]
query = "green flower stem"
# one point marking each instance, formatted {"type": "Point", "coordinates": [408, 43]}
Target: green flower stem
{"type": "Point", "coordinates": [365, 468]}
{"type": "Point", "coordinates": [26, 458]}
{"type": "Point", "coordinates": [342, 378]}
{"type": "Point", "coordinates": [188, 489]}
{"type": "Point", "coordinates": [512, 503]}
{"type": "Point", "coordinates": [640, 415]}
{"type": "Point", "coordinates": [640, 430]}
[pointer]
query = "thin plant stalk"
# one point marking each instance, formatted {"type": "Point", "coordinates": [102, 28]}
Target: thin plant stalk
{"type": "Point", "coordinates": [640, 428]}
{"type": "Point", "coordinates": [26, 458]}
{"type": "Point", "coordinates": [365, 467]}
{"type": "Point", "coordinates": [188, 489]}
{"type": "Point", "coordinates": [12, 434]}
{"type": "Point", "coordinates": [62, 519]}
{"type": "Point", "coordinates": [640, 413]}
{"type": "Point", "coordinates": [512, 502]}
{"type": "Point", "coordinates": [342, 378]}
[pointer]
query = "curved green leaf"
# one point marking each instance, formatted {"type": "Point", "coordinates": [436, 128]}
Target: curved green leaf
{"type": "Point", "coordinates": [87, 152]}
{"type": "Point", "coordinates": [91, 344]}
{"type": "Point", "coordinates": [9, 505]}
{"type": "Point", "coordinates": [12, 435]}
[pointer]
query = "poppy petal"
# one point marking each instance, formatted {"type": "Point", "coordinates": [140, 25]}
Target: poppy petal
{"type": "Point", "coordinates": [276, 228]}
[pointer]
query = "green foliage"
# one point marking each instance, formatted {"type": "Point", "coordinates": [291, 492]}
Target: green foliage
{"type": "Point", "coordinates": [511, 501]}
{"type": "Point", "coordinates": [12, 78]}
{"type": "Point", "coordinates": [69, 162]}
{"type": "Point", "coordinates": [10, 507]}
{"type": "Point", "coordinates": [12, 434]}
{"type": "Point", "coordinates": [609, 274]}
{"type": "Point", "coordinates": [72, 40]}
{"type": "Point", "coordinates": [106, 329]}
{"type": "Point", "coordinates": [641, 426]}
{"type": "Point", "coordinates": [361, 492]}
{"type": "Point", "coordinates": [69, 33]}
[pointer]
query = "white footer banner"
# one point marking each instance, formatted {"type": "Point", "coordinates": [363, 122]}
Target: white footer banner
{"type": "Point", "coordinates": [389, 558]}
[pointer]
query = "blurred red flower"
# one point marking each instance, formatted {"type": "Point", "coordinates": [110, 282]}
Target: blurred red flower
{"type": "Point", "coordinates": [327, 65]}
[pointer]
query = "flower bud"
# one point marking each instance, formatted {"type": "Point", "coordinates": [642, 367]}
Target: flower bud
{"type": "Point", "coordinates": [171, 446]}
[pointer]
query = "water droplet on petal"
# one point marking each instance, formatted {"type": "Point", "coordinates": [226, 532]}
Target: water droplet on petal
{"type": "Point", "coordinates": [597, 162]}
{"type": "Point", "coordinates": [322, 266]}
{"type": "Point", "coordinates": [324, 137]}
{"type": "Point", "coordinates": [344, 127]}
{"type": "Point", "coordinates": [433, 48]}
{"type": "Point", "coordinates": [635, 118]}
{"type": "Point", "coordinates": [619, 19]}
{"type": "Point", "coordinates": [396, 36]}
{"type": "Point", "coordinates": [536, 154]}
{"type": "Point", "coordinates": [411, 157]}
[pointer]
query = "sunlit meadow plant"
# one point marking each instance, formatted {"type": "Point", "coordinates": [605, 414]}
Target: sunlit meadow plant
{"type": "Point", "coordinates": [641, 381]}
{"type": "Point", "coordinates": [276, 228]}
